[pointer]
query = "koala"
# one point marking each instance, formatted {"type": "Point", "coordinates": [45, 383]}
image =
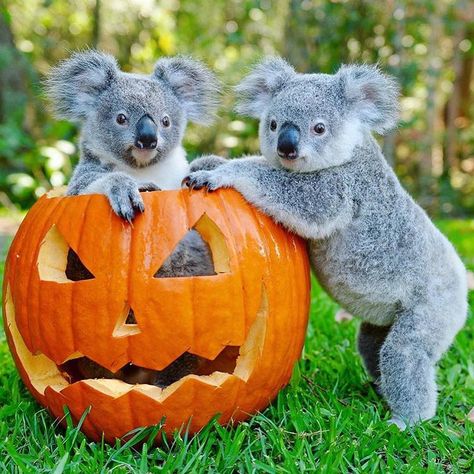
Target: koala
{"type": "Point", "coordinates": [132, 126]}
{"type": "Point", "coordinates": [374, 250]}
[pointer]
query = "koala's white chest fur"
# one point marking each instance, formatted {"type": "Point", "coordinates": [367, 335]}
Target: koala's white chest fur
{"type": "Point", "coordinates": [166, 174]}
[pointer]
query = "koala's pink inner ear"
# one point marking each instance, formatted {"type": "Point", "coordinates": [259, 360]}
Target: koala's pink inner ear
{"type": "Point", "coordinates": [193, 83]}
{"type": "Point", "coordinates": [372, 95]}
{"type": "Point", "coordinates": [74, 86]}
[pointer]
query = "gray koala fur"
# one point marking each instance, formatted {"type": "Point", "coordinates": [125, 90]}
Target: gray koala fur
{"type": "Point", "coordinates": [88, 88]}
{"type": "Point", "coordinates": [373, 249]}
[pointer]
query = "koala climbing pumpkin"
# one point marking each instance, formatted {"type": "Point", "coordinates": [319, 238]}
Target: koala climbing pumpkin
{"type": "Point", "coordinates": [214, 344]}
{"type": "Point", "coordinates": [376, 252]}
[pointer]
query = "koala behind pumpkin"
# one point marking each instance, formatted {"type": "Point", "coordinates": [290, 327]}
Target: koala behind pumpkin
{"type": "Point", "coordinates": [132, 125]}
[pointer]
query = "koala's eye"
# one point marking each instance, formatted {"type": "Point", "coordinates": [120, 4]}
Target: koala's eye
{"type": "Point", "coordinates": [273, 125]}
{"type": "Point", "coordinates": [165, 121]}
{"type": "Point", "coordinates": [121, 119]}
{"type": "Point", "coordinates": [319, 128]}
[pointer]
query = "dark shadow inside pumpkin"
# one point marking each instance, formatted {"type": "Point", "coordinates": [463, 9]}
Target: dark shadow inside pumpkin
{"type": "Point", "coordinates": [191, 257]}
{"type": "Point", "coordinates": [187, 364]}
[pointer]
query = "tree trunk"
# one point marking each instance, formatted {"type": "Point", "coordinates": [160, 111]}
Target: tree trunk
{"type": "Point", "coordinates": [428, 191]}
{"type": "Point", "coordinates": [96, 24]}
{"type": "Point", "coordinates": [465, 15]}
{"type": "Point", "coordinates": [13, 75]}
{"type": "Point", "coordinates": [389, 141]}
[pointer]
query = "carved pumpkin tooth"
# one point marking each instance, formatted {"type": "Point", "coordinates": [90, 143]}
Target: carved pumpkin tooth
{"type": "Point", "coordinates": [93, 319]}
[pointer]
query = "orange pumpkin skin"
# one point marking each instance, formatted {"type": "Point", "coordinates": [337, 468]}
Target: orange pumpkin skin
{"type": "Point", "coordinates": [259, 302]}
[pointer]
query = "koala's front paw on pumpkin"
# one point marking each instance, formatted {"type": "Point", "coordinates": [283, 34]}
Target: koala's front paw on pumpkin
{"type": "Point", "coordinates": [204, 179]}
{"type": "Point", "coordinates": [125, 199]}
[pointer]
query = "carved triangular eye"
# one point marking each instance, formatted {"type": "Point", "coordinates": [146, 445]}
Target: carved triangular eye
{"type": "Point", "coordinates": [201, 252]}
{"type": "Point", "coordinates": [75, 269]}
{"type": "Point", "coordinates": [58, 262]}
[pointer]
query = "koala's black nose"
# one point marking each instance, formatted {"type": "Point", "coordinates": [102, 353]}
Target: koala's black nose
{"type": "Point", "coordinates": [288, 140]}
{"type": "Point", "coordinates": [146, 137]}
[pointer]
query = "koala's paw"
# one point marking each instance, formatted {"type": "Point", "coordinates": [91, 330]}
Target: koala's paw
{"type": "Point", "coordinates": [125, 200]}
{"type": "Point", "coordinates": [399, 423]}
{"type": "Point", "coordinates": [148, 187]}
{"type": "Point", "coordinates": [207, 163]}
{"type": "Point", "coordinates": [203, 179]}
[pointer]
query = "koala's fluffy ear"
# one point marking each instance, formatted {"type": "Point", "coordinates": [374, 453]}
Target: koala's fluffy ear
{"type": "Point", "coordinates": [193, 83]}
{"type": "Point", "coordinates": [258, 88]}
{"type": "Point", "coordinates": [372, 95]}
{"type": "Point", "coordinates": [75, 85]}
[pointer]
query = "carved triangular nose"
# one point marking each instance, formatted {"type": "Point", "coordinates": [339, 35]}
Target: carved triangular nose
{"type": "Point", "coordinates": [126, 324]}
{"type": "Point", "coordinates": [130, 317]}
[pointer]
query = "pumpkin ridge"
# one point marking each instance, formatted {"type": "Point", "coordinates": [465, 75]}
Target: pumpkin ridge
{"type": "Point", "coordinates": [35, 255]}
{"type": "Point", "coordinates": [230, 209]}
{"type": "Point", "coordinates": [73, 292]}
{"type": "Point", "coordinates": [15, 248]}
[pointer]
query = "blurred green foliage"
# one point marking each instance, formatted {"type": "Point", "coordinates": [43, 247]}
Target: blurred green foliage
{"type": "Point", "coordinates": [427, 45]}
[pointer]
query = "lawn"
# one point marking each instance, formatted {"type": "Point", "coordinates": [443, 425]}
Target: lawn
{"type": "Point", "coordinates": [328, 419]}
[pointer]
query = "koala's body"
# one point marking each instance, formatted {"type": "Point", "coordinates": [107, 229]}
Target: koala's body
{"type": "Point", "coordinates": [132, 126]}
{"type": "Point", "coordinates": [374, 250]}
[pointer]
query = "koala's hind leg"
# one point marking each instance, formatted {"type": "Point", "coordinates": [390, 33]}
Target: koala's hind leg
{"type": "Point", "coordinates": [414, 344]}
{"type": "Point", "coordinates": [369, 343]}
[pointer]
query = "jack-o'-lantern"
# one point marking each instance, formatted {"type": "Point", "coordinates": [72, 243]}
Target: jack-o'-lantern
{"type": "Point", "coordinates": [242, 327]}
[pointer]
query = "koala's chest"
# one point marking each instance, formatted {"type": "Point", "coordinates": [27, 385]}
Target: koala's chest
{"type": "Point", "coordinates": [166, 175]}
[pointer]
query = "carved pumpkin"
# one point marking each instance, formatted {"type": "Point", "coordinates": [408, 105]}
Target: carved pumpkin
{"type": "Point", "coordinates": [244, 324]}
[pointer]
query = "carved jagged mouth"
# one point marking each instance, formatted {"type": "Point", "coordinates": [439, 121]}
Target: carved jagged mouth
{"type": "Point", "coordinates": [83, 368]}
{"type": "Point", "coordinates": [232, 361]}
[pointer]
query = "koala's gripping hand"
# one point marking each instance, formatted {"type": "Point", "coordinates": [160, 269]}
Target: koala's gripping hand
{"type": "Point", "coordinates": [122, 191]}
{"type": "Point", "coordinates": [123, 195]}
{"type": "Point", "coordinates": [207, 162]}
{"type": "Point", "coordinates": [312, 205]}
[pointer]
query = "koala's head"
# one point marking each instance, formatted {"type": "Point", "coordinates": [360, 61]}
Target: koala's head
{"type": "Point", "coordinates": [310, 122]}
{"type": "Point", "coordinates": [135, 118]}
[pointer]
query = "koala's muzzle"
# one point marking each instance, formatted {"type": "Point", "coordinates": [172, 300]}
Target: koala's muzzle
{"type": "Point", "coordinates": [288, 141]}
{"type": "Point", "coordinates": [146, 135]}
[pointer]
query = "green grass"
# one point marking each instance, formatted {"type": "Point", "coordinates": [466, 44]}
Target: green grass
{"type": "Point", "coordinates": [329, 419]}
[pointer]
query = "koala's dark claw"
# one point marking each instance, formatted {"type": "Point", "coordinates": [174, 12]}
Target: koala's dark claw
{"type": "Point", "coordinates": [137, 203]}
{"type": "Point", "coordinates": [148, 187]}
{"type": "Point", "coordinates": [140, 207]}
{"type": "Point", "coordinates": [126, 214]}
{"type": "Point", "coordinates": [126, 201]}
{"type": "Point", "coordinates": [195, 185]}
{"type": "Point", "coordinates": [185, 182]}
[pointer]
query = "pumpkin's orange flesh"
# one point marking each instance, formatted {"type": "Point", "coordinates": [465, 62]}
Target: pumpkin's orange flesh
{"type": "Point", "coordinates": [199, 314]}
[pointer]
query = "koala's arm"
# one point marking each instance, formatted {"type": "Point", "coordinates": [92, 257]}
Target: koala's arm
{"type": "Point", "coordinates": [122, 191]}
{"type": "Point", "coordinates": [312, 205]}
{"type": "Point", "coordinates": [207, 162]}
